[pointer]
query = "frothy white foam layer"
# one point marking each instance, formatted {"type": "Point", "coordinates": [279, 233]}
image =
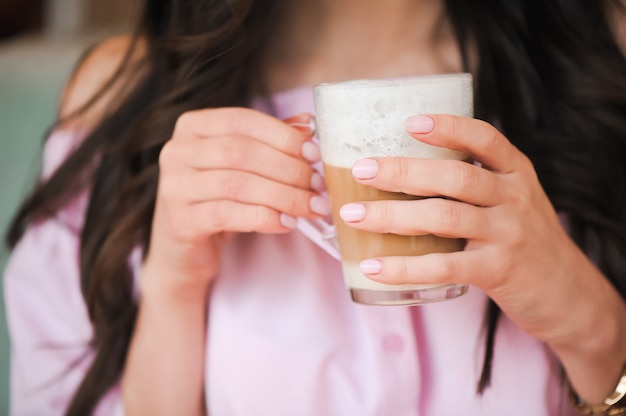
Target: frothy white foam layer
{"type": "Point", "coordinates": [354, 279]}
{"type": "Point", "coordinates": [359, 119]}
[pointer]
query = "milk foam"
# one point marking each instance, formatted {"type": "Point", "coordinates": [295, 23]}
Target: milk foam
{"type": "Point", "coordinates": [366, 118]}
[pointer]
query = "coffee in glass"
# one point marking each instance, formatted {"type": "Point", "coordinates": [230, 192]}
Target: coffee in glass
{"type": "Point", "coordinates": [361, 119]}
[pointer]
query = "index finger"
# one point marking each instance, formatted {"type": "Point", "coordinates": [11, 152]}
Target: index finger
{"type": "Point", "coordinates": [243, 122]}
{"type": "Point", "coordinates": [475, 137]}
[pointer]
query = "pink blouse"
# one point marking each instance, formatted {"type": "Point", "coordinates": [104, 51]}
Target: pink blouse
{"type": "Point", "coordinates": [283, 336]}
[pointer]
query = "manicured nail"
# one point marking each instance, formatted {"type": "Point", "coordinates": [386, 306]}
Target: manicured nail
{"type": "Point", "coordinates": [370, 266]}
{"type": "Point", "coordinates": [311, 152]}
{"type": "Point", "coordinates": [420, 124]}
{"type": "Point", "coordinates": [312, 124]}
{"type": "Point", "coordinates": [317, 182]}
{"type": "Point", "coordinates": [365, 169]}
{"type": "Point", "coordinates": [304, 123]}
{"type": "Point", "coordinates": [352, 212]}
{"type": "Point", "coordinates": [319, 205]}
{"type": "Point", "coordinates": [288, 221]}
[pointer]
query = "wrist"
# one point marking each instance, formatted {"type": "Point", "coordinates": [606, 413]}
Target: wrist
{"type": "Point", "coordinates": [613, 404]}
{"type": "Point", "coordinates": [168, 284]}
{"type": "Point", "coordinates": [591, 312]}
{"type": "Point", "coordinates": [591, 349]}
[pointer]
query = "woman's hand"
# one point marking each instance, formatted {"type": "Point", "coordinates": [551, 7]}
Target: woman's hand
{"type": "Point", "coordinates": [223, 171]}
{"type": "Point", "coordinates": [517, 250]}
{"type": "Point", "coordinates": [229, 170]}
{"type": "Point", "coordinates": [516, 247]}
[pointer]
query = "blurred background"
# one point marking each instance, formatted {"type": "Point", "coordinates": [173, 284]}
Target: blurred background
{"type": "Point", "coordinates": [40, 41]}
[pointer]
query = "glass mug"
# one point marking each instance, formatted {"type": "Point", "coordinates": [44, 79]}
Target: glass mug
{"type": "Point", "coordinates": [366, 118]}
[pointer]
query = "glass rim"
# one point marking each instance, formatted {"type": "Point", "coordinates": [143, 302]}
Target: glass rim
{"type": "Point", "coordinates": [382, 82]}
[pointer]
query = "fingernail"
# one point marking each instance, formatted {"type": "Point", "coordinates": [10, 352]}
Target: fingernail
{"type": "Point", "coordinates": [310, 151]}
{"type": "Point", "coordinates": [352, 212]}
{"type": "Point", "coordinates": [365, 169]}
{"type": "Point", "coordinates": [317, 182]}
{"type": "Point", "coordinates": [304, 123]}
{"type": "Point", "coordinates": [420, 124]}
{"type": "Point", "coordinates": [288, 221]}
{"type": "Point", "coordinates": [319, 205]}
{"type": "Point", "coordinates": [370, 266]}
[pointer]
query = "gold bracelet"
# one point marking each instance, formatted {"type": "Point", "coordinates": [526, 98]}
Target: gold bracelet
{"type": "Point", "coordinates": [613, 405]}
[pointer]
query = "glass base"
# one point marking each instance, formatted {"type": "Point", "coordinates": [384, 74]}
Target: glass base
{"type": "Point", "coordinates": [407, 297]}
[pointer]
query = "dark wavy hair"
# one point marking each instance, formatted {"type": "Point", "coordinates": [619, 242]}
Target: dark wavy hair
{"type": "Point", "coordinates": [550, 73]}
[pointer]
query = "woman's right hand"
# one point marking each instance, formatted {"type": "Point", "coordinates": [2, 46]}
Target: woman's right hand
{"type": "Point", "coordinates": [228, 170]}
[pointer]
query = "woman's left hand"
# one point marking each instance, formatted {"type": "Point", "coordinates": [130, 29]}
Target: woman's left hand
{"type": "Point", "coordinates": [517, 250]}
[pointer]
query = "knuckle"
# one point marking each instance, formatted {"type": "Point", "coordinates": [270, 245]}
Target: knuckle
{"type": "Point", "coordinates": [235, 119]}
{"type": "Point", "coordinates": [260, 217]}
{"type": "Point", "coordinates": [220, 216]}
{"type": "Point", "coordinates": [230, 185]}
{"type": "Point", "coordinates": [464, 177]}
{"type": "Point", "coordinates": [167, 188]}
{"type": "Point", "coordinates": [381, 216]}
{"type": "Point", "coordinates": [500, 270]}
{"type": "Point", "coordinates": [447, 214]}
{"type": "Point", "coordinates": [446, 269]}
{"type": "Point", "coordinates": [528, 167]}
{"type": "Point", "coordinates": [186, 121]}
{"type": "Point", "coordinates": [293, 172]}
{"type": "Point", "coordinates": [166, 155]}
{"type": "Point", "coordinates": [170, 179]}
{"type": "Point", "coordinates": [393, 172]}
{"type": "Point", "coordinates": [452, 125]}
{"type": "Point", "coordinates": [299, 173]}
{"type": "Point", "coordinates": [399, 270]}
{"type": "Point", "coordinates": [388, 216]}
{"type": "Point", "coordinates": [233, 153]}
{"type": "Point", "coordinates": [290, 202]}
{"type": "Point", "coordinates": [491, 139]}
{"type": "Point", "coordinates": [288, 140]}
{"type": "Point", "coordinates": [403, 168]}
{"type": "Point", "coordinates": [515, 233]}
{"type": "Point", "coordinates": [447, 125]}
{"type": "Point", "coordinates": [522, 201]}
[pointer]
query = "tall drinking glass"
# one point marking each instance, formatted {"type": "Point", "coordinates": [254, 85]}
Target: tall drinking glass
{"type": "Point", "coordinates": [361, 119]}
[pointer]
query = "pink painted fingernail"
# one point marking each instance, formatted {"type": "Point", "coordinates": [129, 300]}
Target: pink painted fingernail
{"type": "Point", "coordinates": [312, 126]}
{"type": "Point", "coordinates": [420, 124]}
{"type": "Point", "coordinates": [352, 212]}
{"type": "Point", "coordinates": [317, 182]}
{"type": "Point", "coordinates": [370, 266]}
{"type": "Point", "coordinates": [365, 169]}
{"type": "Point", "coordinates": [304, 122]}
{"type": "Point", "coordinates": [311, 152]}
{"type": "Point", "coordinates": [288, 221]}
{"type": "Point", "coordinates": [319, 205]}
